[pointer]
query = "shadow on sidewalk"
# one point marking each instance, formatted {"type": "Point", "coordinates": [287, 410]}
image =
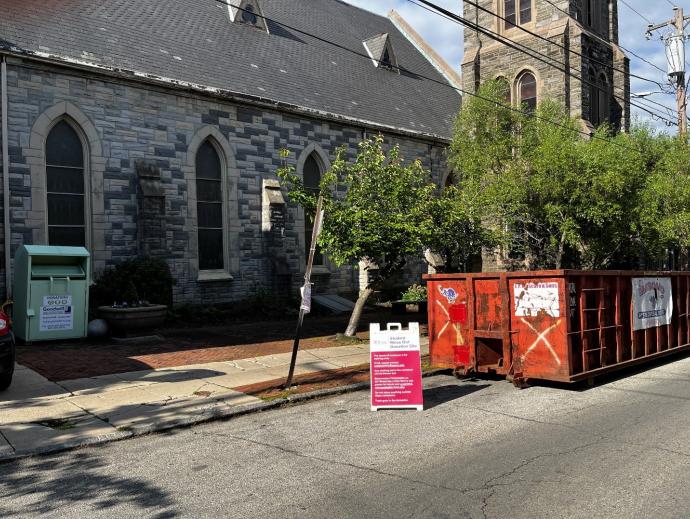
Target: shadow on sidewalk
{"type": "Point", "coordinates": [87, 358]}
{"type": "Point", "coordinates": [438, 395]}
{"type": "Point", "coordinates": [42, 486]}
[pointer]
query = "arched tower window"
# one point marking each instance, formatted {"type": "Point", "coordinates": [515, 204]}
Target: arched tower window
{"type": "Point", "coordinates": [311, 176]}
{"type": "Point", "coordinates": [65, 167]}
{"type": "Point", "coordinates": [503, 83]}
{"type": "Point", "coordinates": [450, 180]}
{"type": "Point", "coordinates": [527, 91]}
{"type": "Point", "coordinates": [603, 94]}
{"type": "Point", "coordinates": [210, 208]}
{"type": "Point", "coordinates": [594, 98]}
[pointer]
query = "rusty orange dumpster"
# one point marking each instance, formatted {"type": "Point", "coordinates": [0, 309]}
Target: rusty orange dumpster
{"type": "Point", "coordinates": [559, 325]}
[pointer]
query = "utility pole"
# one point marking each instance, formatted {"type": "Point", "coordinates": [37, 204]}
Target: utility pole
{"type": "Point", "coordinates": [675, 54]}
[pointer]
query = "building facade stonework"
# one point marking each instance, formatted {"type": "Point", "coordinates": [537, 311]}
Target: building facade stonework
{"type": "Point", "coordinates": [137, 133]}
{"type": "Point", "coordinates": [166, 143]}
{"type": "Point", "coordinates": [579, 61]}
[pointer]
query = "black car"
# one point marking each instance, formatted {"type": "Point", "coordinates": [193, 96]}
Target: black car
{"type": "Point", "coordinates": [7, 356]}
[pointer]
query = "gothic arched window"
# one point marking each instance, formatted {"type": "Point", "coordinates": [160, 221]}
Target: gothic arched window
{"type": "Point", "coordinates": [527, 91]}
{"type": "Point", "coordinates": [593, 97]}
{"type": "Point", "coordinates": [505, 85]}
{"type": "Point", "coordinates": [65, 188]}
{"type": "Point", "coordinates": [209, 208]}
{"type": "Point", "coordinates": [603, 95]}
{"type": "Point", "coordinates": [311, 176]}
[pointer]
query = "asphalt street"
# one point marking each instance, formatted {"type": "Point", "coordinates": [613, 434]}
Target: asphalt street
{"type": "Point", "coordinates": [480, 449]}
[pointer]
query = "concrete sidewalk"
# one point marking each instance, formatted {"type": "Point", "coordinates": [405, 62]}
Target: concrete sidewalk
{"type": "Point", "coordinates": [37, 415]}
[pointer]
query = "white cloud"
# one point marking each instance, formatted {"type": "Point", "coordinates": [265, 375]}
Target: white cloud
{"type": "Point", "coordinates": [446, 37]}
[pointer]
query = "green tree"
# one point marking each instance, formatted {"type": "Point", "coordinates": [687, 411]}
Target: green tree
{"type": "Point", "coordinates": [555, 198]}
{"type": "Point", "coordinates": [665, 200]}
{"type": "Point", "coordinates": [457, 234]}
{"type": "Point", "coordinates": [377, 209]}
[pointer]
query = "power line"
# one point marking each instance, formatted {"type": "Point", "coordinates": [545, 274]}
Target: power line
{"type": "Point", "coordinates": [446, 84]}
{"type": "Point", "coordinates": [629, 51]}
{"type": "Point", "coordinates": [644, 103]}
{"type": "Point", "coordinates": [556, 44]}
{"type": "Point", "coordinates": [637, 12]}
{"type": "Point", "coordinates": [534, 54]}
{"type": "Point", "coordinates": [559, 46]}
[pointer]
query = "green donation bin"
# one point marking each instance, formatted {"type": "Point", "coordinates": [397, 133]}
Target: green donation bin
{"type": "Point", "coordinates": [51, 292]}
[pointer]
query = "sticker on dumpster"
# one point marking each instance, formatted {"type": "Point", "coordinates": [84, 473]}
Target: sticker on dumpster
{"type": "Point", "coordinates": [396, 371]}
{"type": "Point", "coordinates": [449, 293]}
{"type": "Point", "coordinates": [56, 314]}
{"type": "Point", "coordinates": [652, 302]}
{"type": "Point", "coordinates": [534, 299]}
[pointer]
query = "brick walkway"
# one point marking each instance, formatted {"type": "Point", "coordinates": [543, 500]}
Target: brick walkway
{"type": "Point", "coordinates": [73, 360]}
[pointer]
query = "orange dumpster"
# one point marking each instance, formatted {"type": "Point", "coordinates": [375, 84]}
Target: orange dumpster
{"type": "Point", "coordinates": [559, 325]}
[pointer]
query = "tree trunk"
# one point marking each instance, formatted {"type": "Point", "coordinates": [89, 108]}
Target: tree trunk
{"type": "Point", "coordinates": [357, 312]}
{"type": "Point", "coordinates": [561, 251]}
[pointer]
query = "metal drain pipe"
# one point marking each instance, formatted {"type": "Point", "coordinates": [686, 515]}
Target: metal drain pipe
{"type": "Point", "coordinates": [6, 178]}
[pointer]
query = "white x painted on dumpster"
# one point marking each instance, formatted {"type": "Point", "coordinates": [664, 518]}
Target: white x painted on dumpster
{"type": "Point", "coordinates": [541, 338]}
{"type": "Point", "coordinates": [458, 333]}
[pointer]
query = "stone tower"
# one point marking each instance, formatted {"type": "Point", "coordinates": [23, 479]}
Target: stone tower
{"type": "Point", "coordinates": [598, 87]}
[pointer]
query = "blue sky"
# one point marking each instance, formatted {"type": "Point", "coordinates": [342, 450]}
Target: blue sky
{"type": "Point", "coordinates": [446, 37]}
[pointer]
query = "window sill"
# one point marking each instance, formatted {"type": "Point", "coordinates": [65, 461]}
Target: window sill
{"type": "Point", "coordinates": [320, 270]}
{"type": "Point", "coordinates": [213, 275]}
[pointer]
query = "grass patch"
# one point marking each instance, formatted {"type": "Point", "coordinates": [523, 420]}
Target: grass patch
{"type": "Point", "coordinates": [341, 339]}
{"type": "Point", "coordinates": [270, 396]}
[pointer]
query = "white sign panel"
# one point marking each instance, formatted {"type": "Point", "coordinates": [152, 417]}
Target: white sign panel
{"type": "Point", "coordinates": [533, 299]}
{"type": "Point", "coordinates": [56, 314]}
{"type": "Point", "coordinates": [396, 371]}
{"type": "Point", "coordinates": [652, 302]}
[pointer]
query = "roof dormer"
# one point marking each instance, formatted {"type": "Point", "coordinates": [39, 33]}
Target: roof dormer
{"type": "Point", "coordinates": [247, 12]}
{"type": "Point", "coordinates": [381, 52]}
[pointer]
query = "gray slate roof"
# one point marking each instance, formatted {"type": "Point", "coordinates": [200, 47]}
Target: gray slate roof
{"type": "Point", "coordinates": [194, 41]}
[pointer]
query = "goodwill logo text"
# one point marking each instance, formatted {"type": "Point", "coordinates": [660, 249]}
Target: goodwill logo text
{"type": "Point", "coordinates": [56, 313]}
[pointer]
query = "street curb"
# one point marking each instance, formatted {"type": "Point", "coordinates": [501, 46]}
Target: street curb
{"type": "Point", "coordinates": [66, 446]}
{"type": "Point", "coordinates": [212, 415]}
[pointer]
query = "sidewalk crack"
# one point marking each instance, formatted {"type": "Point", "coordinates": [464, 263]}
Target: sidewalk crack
{"type": "Point", "coordinates": [89, 413]}
{"type": "Point", "coordinates": [342, 463]}
{"type": "Point", "coordinates": [2, 435]}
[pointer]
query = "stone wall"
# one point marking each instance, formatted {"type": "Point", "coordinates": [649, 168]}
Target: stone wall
{"type": "Point", "coordinates": [141, 141]}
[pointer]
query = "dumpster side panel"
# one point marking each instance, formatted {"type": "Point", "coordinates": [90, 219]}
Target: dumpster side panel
{"type": "Point", "coordinates": [490, 308]}
{"type": "Point", "coordinates": [539, 325]}
{"type": "Point", "coordinates": [488, 303]}
{"type": "Point", "coordinates": [602, 334]}
{"type": "Point", "coordinates": [449, 321]}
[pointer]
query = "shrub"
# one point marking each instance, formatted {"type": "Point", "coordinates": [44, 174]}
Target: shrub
{"type": "Point", "coordinates": [135, 280]}
{"type": "Point", "coordinates": [415, 293]}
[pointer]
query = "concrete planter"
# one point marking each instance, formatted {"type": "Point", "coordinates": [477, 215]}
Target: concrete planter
{"type": "Point", "coordinates": [405, 307]}
{"type": "Point", "coordinates": [129, 321]}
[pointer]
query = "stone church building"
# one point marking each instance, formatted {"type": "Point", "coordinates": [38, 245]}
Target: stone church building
{"type": "Point", "coordinates": [597, 88]}
{"type": "Point", "coordinates": [154, 127]}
